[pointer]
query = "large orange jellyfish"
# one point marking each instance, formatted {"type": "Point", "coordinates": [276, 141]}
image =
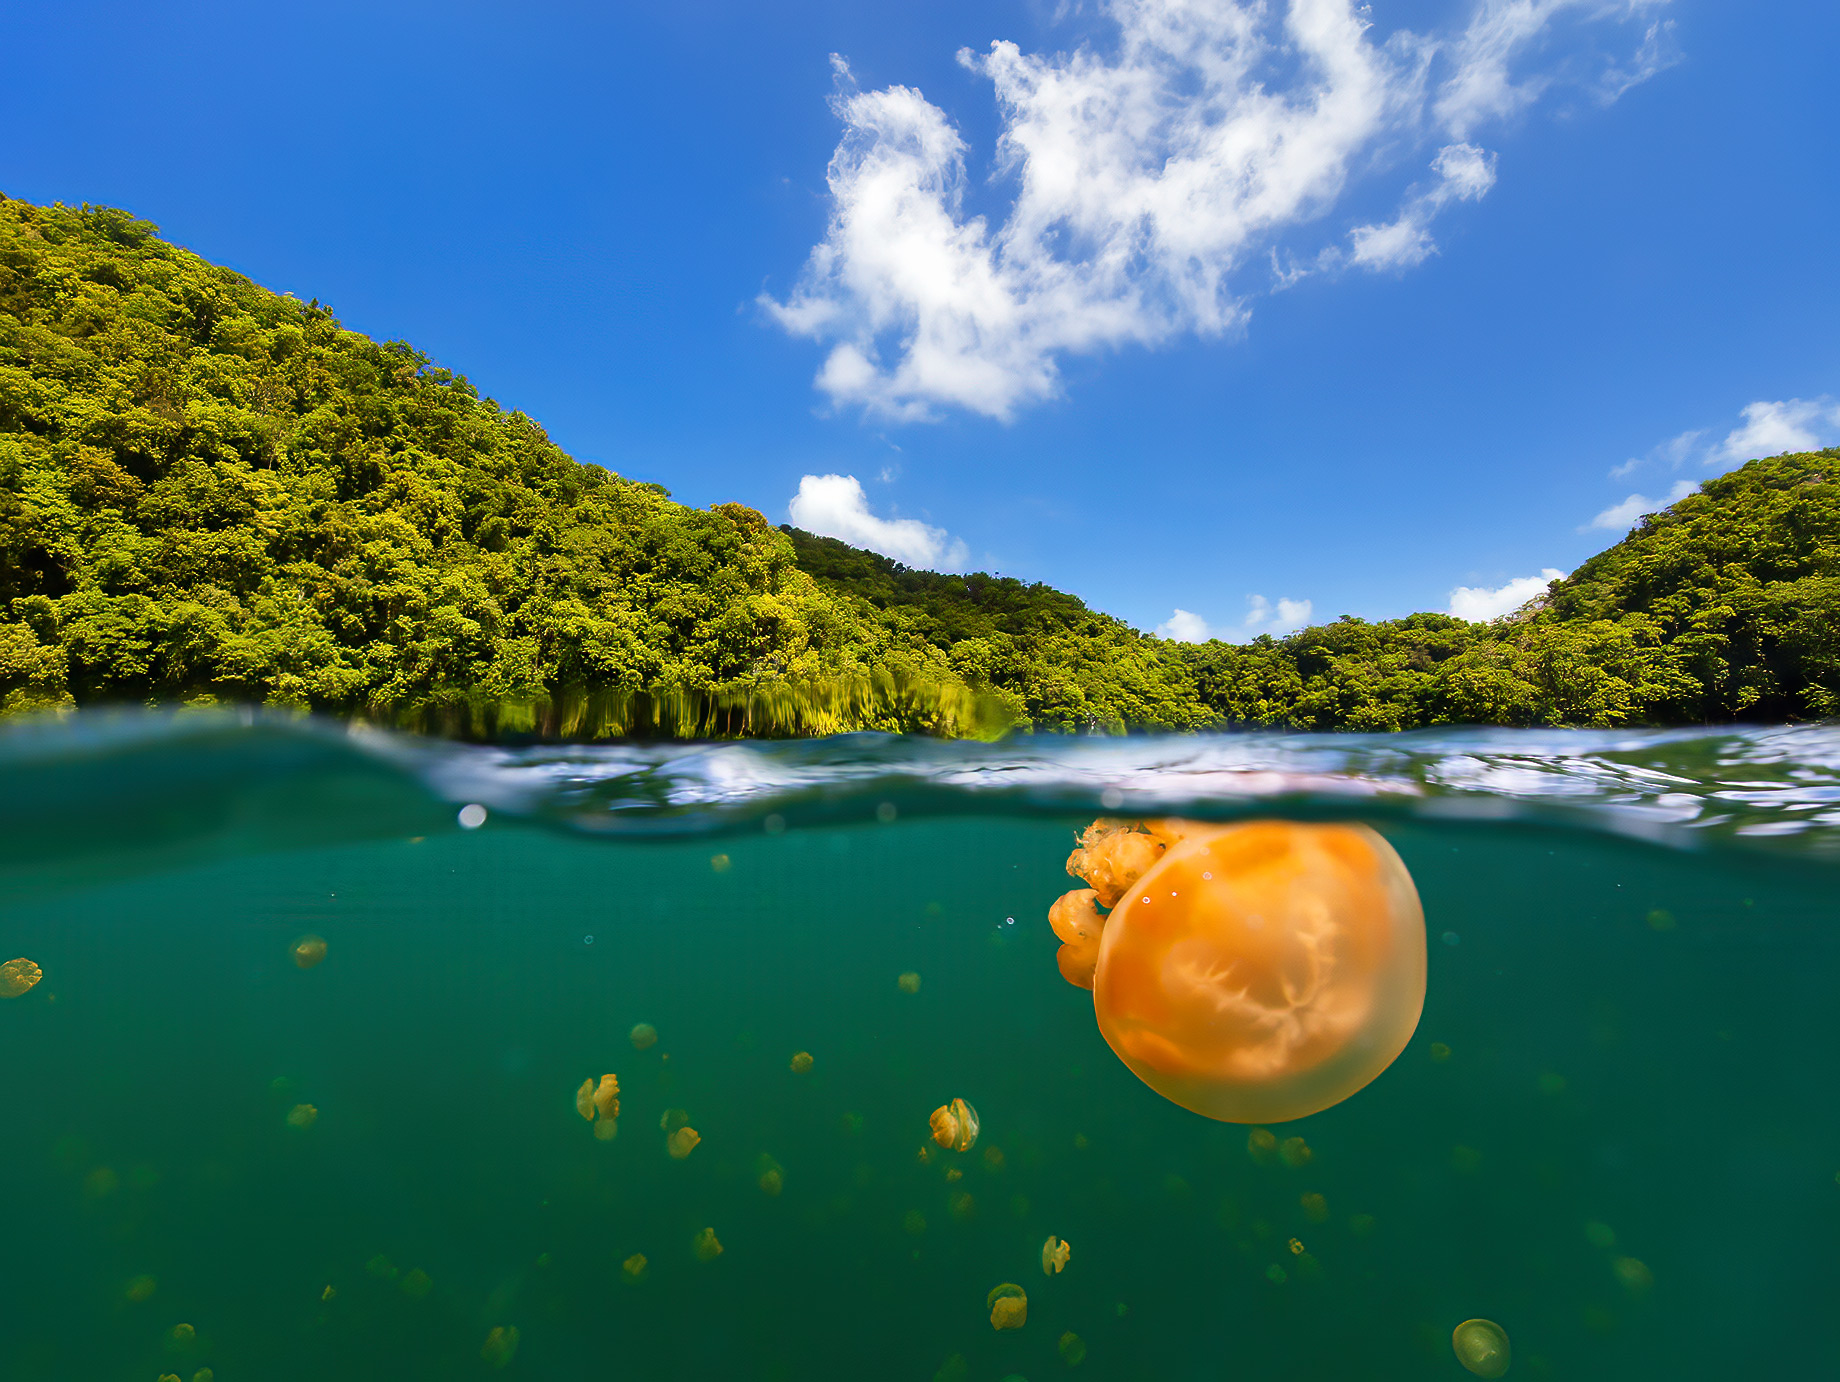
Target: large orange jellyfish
{"type": "Point", "coordinates": [1253, 973]}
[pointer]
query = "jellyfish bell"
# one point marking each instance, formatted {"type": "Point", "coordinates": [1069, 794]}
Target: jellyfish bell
{"type": "Point", "coordinates": [682, 1142]}
{"type": "Point", "coordinates": [18, 976]}
{"type": "Point", "coordinates": [955, 1126]}
{"type": "Point", "coordinates": [1009, 1306]}
{"type": "Point", "coordinates": [1253, 973]}
{"type": "Point", "coordinates": [1054, 1255]}
{"type": "Point", "coordinates": [1482, 1347]}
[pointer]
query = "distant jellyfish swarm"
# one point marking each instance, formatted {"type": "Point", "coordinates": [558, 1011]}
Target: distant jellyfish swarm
{"type": "Point", "coordinates": [1253, 973]}
{"type": "Point", "coordinates": [955, 1126]}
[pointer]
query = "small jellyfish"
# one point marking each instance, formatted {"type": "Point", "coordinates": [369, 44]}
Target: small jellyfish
{"type": "Point", "coordinates": [329, 1293]}
{"type": "Point", "coordinates": [584, 1099]}
{"type": "Point", "coordinates": [955, 1126]}
{"type": "Point", "coordinates": [1262, 1146]}
{"type": "Point", "coordinates": [1295, 1152]}
{"type": "Point", "coordinates": [706, 1246]}
{"type": "Point", "coordinates": [914, 1222]}
{"type": "Point", "coordinates": [908, 982]}
{"type": "Point", "coordinates": [381, 1267]}
{"type": "Point", "coordinates": [501, 1345]}
{"type": "Point", "coordinates": [1633, 1272]}
{"type": "Point", "coordinates": [1009, 1306]}
{"type": "Point", "coordinates": [17, 976]}
{"type": "Point", "coordinates": [1362, 1224]}
{"type": "Point", "coordinates": [1439, 1052]}
{"type": "Point", "coordinates": [307, 952]}
{"type": "Point", "coordinates": [682, 1142]}
{"type": "Point", "coordinates": [772, 1176]}
{"type": "Point", "coordinates": [141, 1288]}
{"type": "Point", "coordinates": [1482, 1347]}
{"type": "Point", "coordinates": [801, 1062]}
{"type": "Point", "coordinates": [183, 1335]}
{"type": "Point", "coordinates": [720, 863]}
{"type": "Point", "coordinates": [634, 1269]}
{"type": "Point", "coordinates": [993, 1158]}
{"type": "Point", "coordinates": [960, 1205]}
{"type": "Point", "coordinates": [204, 1375]}
{"type": "Point", "coordinates": [644, 1036]}
{"type": "Point", "coordinates": [1276, 1275]}
{"type": "Point", "coordinates": [1054, 1255]}
{"type": "Point", "coordinates": [302, 1117]}
{"type": "Point", "coordinates": [953, 1173]}
{"type": "Point", "coordinates": [1315, 1208]}
{"type": "Point", "coordinates": [170, 1377]}
{"type": "Point", "coordinates": [606, 1098]}
{"type": "Point", "coordinates": [1257, 972]}
{"type": "Point", "coordinates": [1296, 1247]}
{"type": "Point", "coordinates": [1072, 1349]}
{"type": "Point", "coordinates": [417, 1284]}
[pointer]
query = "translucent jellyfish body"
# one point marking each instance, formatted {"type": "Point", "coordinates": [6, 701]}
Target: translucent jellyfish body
{"type": "Point", "coordinates": [501, 1345]}
{"type": "Point", "coordinates": [955, 1126]}
{"type": "Point", "coordinates": [1482, 1347]}
{"type": "Point", "coordinates": [706, 1246]}
{"type": "Point", "coordinates": [308, 951]}
{"type": "Point", "coordinates": [600, 1105]}
{"type": "Point", "coordinates": [17, 976]}
{"type": "Point", "coordinates": [1054, 1255]}
{"type": "Point", "coordinates": [1252, 973]}
{"type": "Point", "coordinates": [1009, 1306]}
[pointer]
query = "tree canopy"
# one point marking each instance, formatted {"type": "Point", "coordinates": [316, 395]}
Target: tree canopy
{"type": "Point", "coordinates": [214, 493]}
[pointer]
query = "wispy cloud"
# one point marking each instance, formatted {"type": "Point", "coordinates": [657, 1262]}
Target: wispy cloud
{"type": "Point", "coordinates": [1769, 429]}
{"type": "Point", "coordinates": [835, 506]}
{"type": "Point", "coordinates": [1480, 604]}
{"type": "Point", "coordinates": [1145, 176]}
{"type": "Point", "coordinates": [1262, 616]}
{"type": "Point", "coordinates": [1621, 517]}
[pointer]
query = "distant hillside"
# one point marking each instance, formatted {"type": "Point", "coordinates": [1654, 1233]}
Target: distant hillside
{"type": "Point", "coordinates": [213, 493]}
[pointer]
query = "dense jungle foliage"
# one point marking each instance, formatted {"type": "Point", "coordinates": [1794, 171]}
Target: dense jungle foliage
{"type": "Point", "coordinates": [212, 493]}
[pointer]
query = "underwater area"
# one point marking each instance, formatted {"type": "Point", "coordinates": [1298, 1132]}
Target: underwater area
{"type": "Point", "coordinates": [306, 1084]}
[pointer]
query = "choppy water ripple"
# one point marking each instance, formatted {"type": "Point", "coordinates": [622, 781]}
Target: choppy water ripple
{"type": "Point", "coordinates": [1779, 784]}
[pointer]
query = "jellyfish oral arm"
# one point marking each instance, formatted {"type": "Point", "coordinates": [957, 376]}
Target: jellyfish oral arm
{"type": "Point", "coordinates": [1076, 920]}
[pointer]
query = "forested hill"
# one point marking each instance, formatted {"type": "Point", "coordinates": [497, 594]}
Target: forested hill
{"type": "Point", "coordinates": [214, 493]}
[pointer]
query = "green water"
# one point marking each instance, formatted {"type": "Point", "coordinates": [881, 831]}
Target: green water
{"type": "Point", "coordinates": [1628, 1157]}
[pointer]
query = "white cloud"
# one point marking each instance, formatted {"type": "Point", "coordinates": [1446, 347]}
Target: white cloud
{"type": "Point", "coordinates": [1621, 517]}
{"type": "Point", "coordinates": [1287, 616]}
{"type": "Point", "coordinates": [1145, 177]}
{"type": "Point", "coordinates": [1464, 173]}
{"type": "Point", "coordinates": [1479, 604]}
{"type": "Point", "coordinates": [1769, 429]}
{"type": "Point", "coordinates": [835, 506]}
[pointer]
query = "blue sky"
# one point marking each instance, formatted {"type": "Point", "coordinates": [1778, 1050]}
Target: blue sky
{"type": "Point", "coordinates": [1260, 310]}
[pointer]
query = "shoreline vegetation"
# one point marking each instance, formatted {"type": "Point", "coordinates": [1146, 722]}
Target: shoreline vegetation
{"type": "Point", "coordinates": [214, 494]}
